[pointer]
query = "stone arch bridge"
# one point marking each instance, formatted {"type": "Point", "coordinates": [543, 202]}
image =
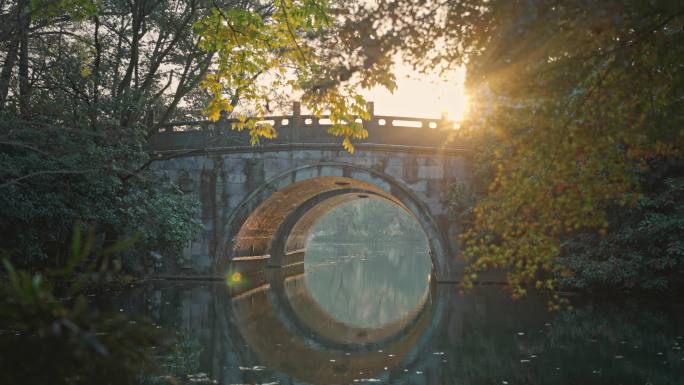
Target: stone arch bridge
{"type": "Point", "coordinates": [259, 202]}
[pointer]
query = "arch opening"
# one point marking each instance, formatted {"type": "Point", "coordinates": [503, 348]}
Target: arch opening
{"type": "Point", "coordinates": [271, 226]}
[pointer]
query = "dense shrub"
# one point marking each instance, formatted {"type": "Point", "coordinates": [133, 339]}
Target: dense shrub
{"type": "Point", "coordinates": [51, 177]}
{"type": "Point", "coordinates": [46, 338]}
{"type": "Point", "coordinates": [643, 248]}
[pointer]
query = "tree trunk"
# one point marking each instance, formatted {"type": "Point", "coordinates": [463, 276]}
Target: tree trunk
{"type": "Point", "coordinates": [24, 84]}
{"type": "Point", "coordinates": [22, 23]}
{"type": "Point", "coordinates": [94, 108]}
{"type": "Point", "coordinates": [7, 67]}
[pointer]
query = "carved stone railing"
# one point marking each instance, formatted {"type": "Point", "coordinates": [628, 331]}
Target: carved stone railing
{"type": "Point", "coordinates": [303, 130]}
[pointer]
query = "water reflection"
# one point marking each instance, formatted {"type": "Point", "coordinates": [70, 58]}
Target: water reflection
{"type": "Point", "coordinates": [308, 345]}
{"type": "Point", "coordinates": [361, 309]}
{"type": "Point", "coordinates": [482, 337]}
{"type": "Point", "coordinates": [368, 274]}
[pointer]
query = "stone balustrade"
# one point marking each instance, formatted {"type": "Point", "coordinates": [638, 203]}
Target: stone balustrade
{"type": "Point", "coordinates": [308, 130]}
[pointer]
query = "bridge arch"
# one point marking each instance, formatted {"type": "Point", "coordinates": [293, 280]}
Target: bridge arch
{"type": "Point", "coordinates": [258, 231]}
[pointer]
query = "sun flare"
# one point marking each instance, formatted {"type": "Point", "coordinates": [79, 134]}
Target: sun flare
{"type": "Point", "coordinates": [423, 95]}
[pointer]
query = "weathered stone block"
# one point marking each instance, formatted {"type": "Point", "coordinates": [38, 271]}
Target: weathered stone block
{"type": "Point", "coordinates": [306, 154]}
{"type": "Point", "coordinates": [395, 170]}
{"type": "Point", "coordinates": [234, 200]}
{"type": "Point", "coordinates": [306, 173]}
{"type": "Point", "coordinates": [363, 162]}
{"type": "Point", "coordinates": [331, 171]}
{"type": "Point", "coordinates": [396, 159]}
{"type": "Point", "coordinates": [198, 248]}
{"type": "Point", "coordinates": [457, 170]}
{"type": "Point", "coordinates": [275, 166]}
{"type": "Point", "coordinates": [420, 186]}
{"type": "Point", "coordinates": [431, 172]}
{"type": "Point", "coordinates": [435, 207]}
{"type": "Point", "coordinates": [365, 177]}
{"type": "Point", "coordinates": [234, 189]}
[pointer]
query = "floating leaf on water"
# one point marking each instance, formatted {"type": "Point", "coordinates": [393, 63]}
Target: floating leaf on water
{"type": "Point", "coordinates": [256, 368]}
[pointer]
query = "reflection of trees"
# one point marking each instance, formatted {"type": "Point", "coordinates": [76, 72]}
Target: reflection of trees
{"type": "Point", "coordinates": [370, 283]}
{"type": "Point", "coordinates": [367, 218]}
{"type": "Point", "coordinates": [367, 262]}
{"type": "Point", "coordinates": [596, 343]}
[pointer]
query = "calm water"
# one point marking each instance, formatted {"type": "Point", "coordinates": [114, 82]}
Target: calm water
{"type": "Point", "coordinates": [362, 309]}
{"type": "Point", "coordinates": [282, 333]}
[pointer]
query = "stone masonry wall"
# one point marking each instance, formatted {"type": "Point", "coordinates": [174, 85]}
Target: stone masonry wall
{"type": "Point", "coordinates": [221, 181]}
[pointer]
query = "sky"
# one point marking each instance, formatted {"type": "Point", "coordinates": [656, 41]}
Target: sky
{"type": "Point", "coordinates": [422, 95]}
{"type": "Point", "coordinates": [418, 95]}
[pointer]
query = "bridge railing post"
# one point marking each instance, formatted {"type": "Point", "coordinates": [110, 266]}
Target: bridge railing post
{"type": "Point", "coordinates": [445, 123]}
{"type": "Point", "coordinates": [223, 124]}
{"type": "Point", "coordinates": [296, 127]}
{"type": "Point", "coordinates": [370, 125]}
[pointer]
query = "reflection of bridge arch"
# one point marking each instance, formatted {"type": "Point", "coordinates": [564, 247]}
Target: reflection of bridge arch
{"type": "Point", "coordinates": [302, 314]}
{"type": "Point", "coordinates": [273, 343]}
{"type": "Point", "coordinates": [253, 228]}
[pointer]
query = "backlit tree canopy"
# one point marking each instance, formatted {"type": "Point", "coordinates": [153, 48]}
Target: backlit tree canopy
{"type": "Point", "coordinates": [576, 99]}
{"type": "Point", "coordinates": [309, 47]}
{"type": "Point", "coordinates": [581, 97]}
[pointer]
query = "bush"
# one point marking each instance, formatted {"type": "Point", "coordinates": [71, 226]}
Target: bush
{"type": "Point", "coordinates": [50, 340]}
{"type": "Point", "coordinates": [642, 250]}
{"type": "Point", "coordinates": [51, 177]}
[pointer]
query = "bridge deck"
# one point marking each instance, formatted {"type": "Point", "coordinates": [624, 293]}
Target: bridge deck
{"type": "Point", "coordinates": [308, 130]}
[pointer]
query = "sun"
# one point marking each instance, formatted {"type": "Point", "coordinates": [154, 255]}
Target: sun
{"type": "Point", "coordinates": [423, 95]}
